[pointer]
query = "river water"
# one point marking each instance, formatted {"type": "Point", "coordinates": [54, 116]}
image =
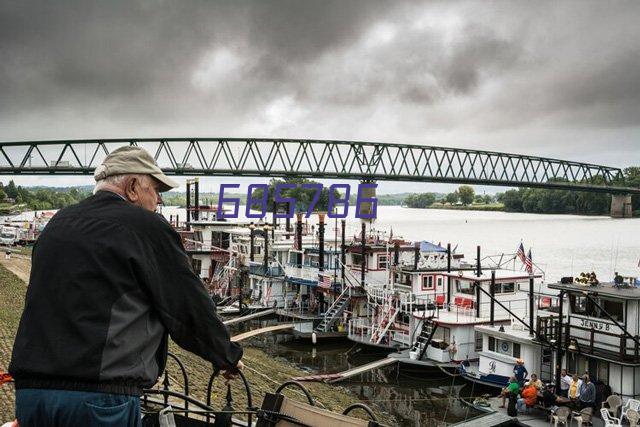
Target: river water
{"type": "Point", "coordinates": [412, 398]}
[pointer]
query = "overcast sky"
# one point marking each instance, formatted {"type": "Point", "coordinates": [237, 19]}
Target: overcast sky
{"type": "Point", "coordinates": [557, 78]}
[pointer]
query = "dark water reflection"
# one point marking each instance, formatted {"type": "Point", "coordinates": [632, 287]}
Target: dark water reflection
{"type": "Point", "coordinates": [413, 398]}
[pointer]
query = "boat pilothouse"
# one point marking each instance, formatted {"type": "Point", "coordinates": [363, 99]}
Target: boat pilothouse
{"type": "Point", "coordinates": [413, 281]}
{"type": "Point", "coordinates": [599, 333]}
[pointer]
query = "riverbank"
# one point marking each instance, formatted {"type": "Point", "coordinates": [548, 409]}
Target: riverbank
{"type": "Point", "coordinates": [264, 372]}
{"type": "Point", "coordinates": [498, 207]}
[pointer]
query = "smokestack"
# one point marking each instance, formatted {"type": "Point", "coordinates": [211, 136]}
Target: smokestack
{"type": "Point", "coordinates": [197, 191]}
{"type": "Point", "coordinates": [321, 240]}
{"type": "Point", "coordinates": [416, 255]}
{"type": "Point", "coordinates": [299, 238]}
{"type": "Point", "coordinates": [449, 290]}
{"type": "Point", "coordinates": [396, 253]}
{"type": "Point", "coordinates": [492, 292]}
{"type": "Point", "coordinates": [479, 267]}
{"type": "Point", "coordinates": [266, 247]}
{"type": "Point", "coordinates": [343, 255]}
{"type": "Point", "coordinates": [252, 240]}
{"type": "Point", "coordinates": [363, 250]}
{"type": "Point", "coordinates": [288, 223]}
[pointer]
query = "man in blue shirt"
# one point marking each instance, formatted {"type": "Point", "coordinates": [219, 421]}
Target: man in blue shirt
{"type": "Point", "coordinates": [520, 372]}
{"type": "Point", "coordinates": [587, 397]}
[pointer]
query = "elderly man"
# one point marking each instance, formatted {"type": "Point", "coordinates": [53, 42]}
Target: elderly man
{"type": "Point", "coordinates": [109, 282]}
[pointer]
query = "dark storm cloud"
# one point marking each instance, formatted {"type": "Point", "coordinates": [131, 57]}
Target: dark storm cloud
{"type": "Point", "coordinates": [479, 74]}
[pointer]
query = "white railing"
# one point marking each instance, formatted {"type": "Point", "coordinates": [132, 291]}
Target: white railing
{"type": "Point", "coordinates": [360, 330]}
{"type": "Point", "coordinates": [304, 272]}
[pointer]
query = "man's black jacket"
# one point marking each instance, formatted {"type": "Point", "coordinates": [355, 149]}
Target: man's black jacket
{"type": "Point", "coordinates": [108, 281]}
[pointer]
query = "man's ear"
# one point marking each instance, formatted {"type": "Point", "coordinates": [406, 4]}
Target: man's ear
{"type": "Point", "coordinates": [130, 189]}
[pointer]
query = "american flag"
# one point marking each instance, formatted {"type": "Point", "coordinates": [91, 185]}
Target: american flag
{"type": "Point", "coordinates": [529, 263]}
{"type": "Point", "coordinates": [324, 281]}
{"type": "Point", "coordinates": [521, 254]}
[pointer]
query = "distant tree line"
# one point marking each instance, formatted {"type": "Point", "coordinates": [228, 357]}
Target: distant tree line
{"type": "Point", "coordinates": [542, 200]}
{"type": "Point", "coordinates": [41, 198]}
{"type": "Point", "coordinates": [464, 195]}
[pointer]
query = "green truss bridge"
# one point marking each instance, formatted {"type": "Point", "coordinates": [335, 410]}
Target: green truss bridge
{"type": "Point", "coordinates": [317, 159]}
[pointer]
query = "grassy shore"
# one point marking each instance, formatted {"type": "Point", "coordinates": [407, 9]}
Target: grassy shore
{"type": "Point", "coordinates": [264, 373]}
{"type": "Point", "coordinates": [12, 291]}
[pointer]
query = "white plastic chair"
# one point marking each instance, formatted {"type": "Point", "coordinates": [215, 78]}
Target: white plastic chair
{"type": "Point", "coordinates": [633, 417]}
{"type": "Point", "coordinates": [560, 416]}
{"type": "Point", "coordinates": [583, 417]}
{"type": "Point", "coordinates": [609, 421]}
{"type": "Point", "coordinates": [612, 404]}
{"type": "Point", "coordinates": [631, 404]}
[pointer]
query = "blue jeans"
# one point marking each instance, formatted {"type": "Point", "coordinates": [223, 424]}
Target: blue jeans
{"type": "Point", "coordinates": [521, 407]}
{"type": "Point", "coordinates": [59, 408]}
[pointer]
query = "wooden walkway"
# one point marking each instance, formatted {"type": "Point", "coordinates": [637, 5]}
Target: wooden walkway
{"type": "Point", "coordinates": [249, 316]}
{"type": "Point", "coordinates": [253, 333]}
{"type": "Point", "coordinates": [340, 376]}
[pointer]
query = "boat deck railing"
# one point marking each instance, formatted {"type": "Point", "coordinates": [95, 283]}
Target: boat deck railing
{"type": "Point", "coordinates": [589, 340]}
{"type": "Point", "coordinates": [361, 330]}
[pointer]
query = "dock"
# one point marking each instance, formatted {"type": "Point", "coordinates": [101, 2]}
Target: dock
{"type": "Point", "coordinates": [253, 333]}
{"type": "Point", "coordinates": [250, 316]}
{"type": "Point", "coordinates": [496, 416]}
{"type": "Point", "coordinates": [340, 376]}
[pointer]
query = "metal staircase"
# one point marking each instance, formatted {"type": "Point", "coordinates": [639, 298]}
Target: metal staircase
{"type": "Point", "coordinates": [387, 320]}
{"type": "Point", "coordinates": [333, 313]}
{"type": "Point", "coordinates": [424, 339]}
{"type": "Point", "coordinates": [222, 277]}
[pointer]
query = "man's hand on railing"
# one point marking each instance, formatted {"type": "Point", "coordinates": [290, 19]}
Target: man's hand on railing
{"type": "Point", "coordinates": [232, 374]}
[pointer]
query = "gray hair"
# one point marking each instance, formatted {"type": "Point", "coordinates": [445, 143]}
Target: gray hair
{"type": "Point", "coordinates": [116, 180]}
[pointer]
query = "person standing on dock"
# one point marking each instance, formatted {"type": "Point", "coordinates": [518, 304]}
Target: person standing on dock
{"type": "Point", "coordinates": [520, 372]}
{"type": "Point", "coordinates": [587, 398]}
{"type": "Point", "coordinates": [565, 383]}
{"type": "Point", "coordinates": [574, 388]}
{"type": "Point", "coordinates": [110, 282]}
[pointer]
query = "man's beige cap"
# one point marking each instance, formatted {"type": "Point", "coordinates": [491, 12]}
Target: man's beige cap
{"type": "Point", "coordinates": [133, 160]}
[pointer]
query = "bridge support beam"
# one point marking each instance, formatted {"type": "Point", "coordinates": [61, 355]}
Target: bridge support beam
{"type": "Point", "coordinates": [621, 206]}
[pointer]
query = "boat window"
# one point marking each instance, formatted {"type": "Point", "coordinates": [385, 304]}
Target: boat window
{"type": "Point", "coordinates": [478, 341]}
{"type": "Point", "coordinates": [583, 305]}
{"type": "Point", "coordinates": [356, 260]}
{"type": "Point", "coordinates": [508, 288]}
{"type": "Point", "coordinates": [516, 350]}
{"type": "Point", "coordinates": [196, 264]}
{"type": "Point", "coordinates": [464, 287]}
{"type": "Point", "coordinates": [614, 307]}
{"type": "Point", "coordinates": [383, 262]}
{"type": "Point", "coordinates": [579, 304]}
{"type": "Point", "coordinates": [492, 344]}
{"type": "Point", "coordinates": [504, 288]}
{"type": "Point", "coordinates": [439, 282]}
{"type": "Point", "coordinates": [603, 371]}
{"type": "Point", "coordinates": [197, 236]}
{"type": "Point", "coordinates": [427, 282]}
{"type": "Point", "coordinates": [443, 334]}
